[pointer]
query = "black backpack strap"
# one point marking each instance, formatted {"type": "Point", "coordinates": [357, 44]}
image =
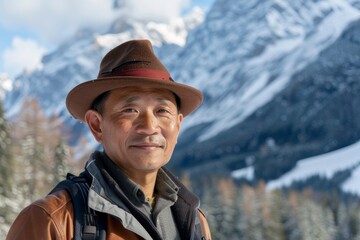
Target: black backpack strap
{"type": "Point", "coordinates": [88, 224]}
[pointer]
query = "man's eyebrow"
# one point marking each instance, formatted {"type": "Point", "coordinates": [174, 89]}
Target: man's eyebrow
{"type": "Point", "coordinates": [163, 100]}
{"type": "Point", "coordinates": [135, 98]}
{"type": "Point", "coordinates": [131, 99]}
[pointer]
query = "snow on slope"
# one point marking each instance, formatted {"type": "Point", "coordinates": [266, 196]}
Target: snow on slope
{"type": "Point", "coordinates": [352, 185]}
{"type": "Point", "coordinates": [174, 32]}
{"type": "Point", "coordinates": [325, 165]}
{"type": "Point", "coordinates": [258, 80]}
{"type": "Point", "coordinates": [246, 173]}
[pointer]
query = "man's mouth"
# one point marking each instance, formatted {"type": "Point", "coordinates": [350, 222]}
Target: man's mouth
{"type": "Point", "coordinates": [146, 145]}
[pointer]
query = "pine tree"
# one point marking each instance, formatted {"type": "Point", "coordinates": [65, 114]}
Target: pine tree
{"type": "Point", "coordinates": [354, 221]}
{"type": "Point", "coordinates": [348, 221]}
{"type": "Point", "coordinates": [250, 224]}
{"type": "Point", "coordinates": [210, 203]}
{"type": "Point", "coordinates": [273, 212]}
{"type": "Point", "coordinates": [7, 210]}
{"type": "Point", "coordinates": [6, 169]}
{"type": "Point", "coordinates": [61, 161]}
{"type": "Point", "coordinates": [41, 153]}
{"type": "Point", "coordinates": [30, 127]}
{"type": "Point", "coordinates": [291, 216]}
{"type": "Point", "coordinates": [226, 196]}
{"type": "Point", "coordinates": [315, 221]}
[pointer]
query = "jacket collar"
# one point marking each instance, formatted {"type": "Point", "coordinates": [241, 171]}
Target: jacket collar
{"type": "Point", "coordinates": [102, 198]}
{"type": "Point", "coordinates": [184, 209]}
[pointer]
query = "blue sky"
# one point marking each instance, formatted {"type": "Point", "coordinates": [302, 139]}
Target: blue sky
{"type": "Point", "coordinates": [30, 28]}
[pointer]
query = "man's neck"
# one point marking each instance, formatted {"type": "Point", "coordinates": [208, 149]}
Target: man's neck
{"type": "Point", "coordinates": [146, 181]}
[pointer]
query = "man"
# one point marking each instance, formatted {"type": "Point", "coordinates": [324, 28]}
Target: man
{"type": "Point", "coordinates": [134, 109]}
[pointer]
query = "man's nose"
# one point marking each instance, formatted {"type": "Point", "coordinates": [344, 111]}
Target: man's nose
{"type": "Point", "coordinates": [148, 123]}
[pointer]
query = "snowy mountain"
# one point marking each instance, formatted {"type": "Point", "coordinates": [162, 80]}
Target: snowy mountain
{"type": "Point", "coordinates": [285, 92]}
{"type": "Point", "coordinates": [280, 79]}
{"type": "Point", "coordinates": [262, 47]}
{"type": "Point", "coordinates": [260, 69]}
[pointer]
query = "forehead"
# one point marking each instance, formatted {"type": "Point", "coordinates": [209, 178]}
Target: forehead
{"type": "Point", "coordinates": [134, 93]}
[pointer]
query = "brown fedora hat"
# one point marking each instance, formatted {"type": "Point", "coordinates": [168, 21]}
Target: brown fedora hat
{"type": "Point", "coordinates": [132, 63]}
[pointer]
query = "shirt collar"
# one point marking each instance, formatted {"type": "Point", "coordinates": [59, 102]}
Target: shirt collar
{"type": "Point", "coordinates": [129, 187]}
{"type": "Point", "coordinates": [165, 187]}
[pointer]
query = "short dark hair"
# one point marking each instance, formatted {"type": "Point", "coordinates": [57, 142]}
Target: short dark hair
{"type": "Point", "coordinates": [98, 103]}
{"type": "Point", "coordinates": [178, 102]}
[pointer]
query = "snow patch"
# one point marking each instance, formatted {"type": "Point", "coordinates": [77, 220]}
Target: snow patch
{"type": "Point", "coordinates": [325, 165]}
{"type": "Point", "coordinates": [244, 173]}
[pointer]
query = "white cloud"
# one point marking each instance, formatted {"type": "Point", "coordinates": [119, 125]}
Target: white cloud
{"type": "Point", "coordinates": [155, 10]}
{"type": "Point", "coordinates": [24, 54]}
{"type": "Point", "coordinates": [54, 21]}
{"type": "Point", "coordinates": [5, 83]}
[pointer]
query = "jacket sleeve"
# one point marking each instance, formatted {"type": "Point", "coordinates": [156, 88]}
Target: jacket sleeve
{"type": "Point", "coordinates": [48, 218]}
{"type": "Point", "coordinates": [34, 223]}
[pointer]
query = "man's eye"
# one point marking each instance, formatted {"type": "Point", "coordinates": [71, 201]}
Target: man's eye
{"type": "Point", "coordinates": [130, 110]}
{"type": "Point", "coordinates": [163, 110]}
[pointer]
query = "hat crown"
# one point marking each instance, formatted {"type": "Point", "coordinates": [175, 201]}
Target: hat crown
{"type": "Point", "coordinates": [131, 55]}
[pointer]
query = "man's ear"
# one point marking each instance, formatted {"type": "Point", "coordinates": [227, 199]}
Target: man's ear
{"type": "Point", "coordinates": [180, 119]}
{"type": "Point", "coordinates": [93, 120]}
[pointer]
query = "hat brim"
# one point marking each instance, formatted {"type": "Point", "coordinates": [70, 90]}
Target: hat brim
{"type": "Point", "coordinates": [80, 98]}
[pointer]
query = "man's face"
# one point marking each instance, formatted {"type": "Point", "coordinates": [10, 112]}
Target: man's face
{"type": "Point", "coordinates": [138, 128]}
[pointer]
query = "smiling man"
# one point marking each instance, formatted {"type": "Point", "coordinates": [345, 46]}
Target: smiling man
{"type": "Point", "coordinates": [134, 109]}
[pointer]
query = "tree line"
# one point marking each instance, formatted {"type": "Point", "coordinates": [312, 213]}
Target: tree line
{"type": "Point", "coordinates": [251, 212]}
{"type": "Point", "coordinates": [34, 156]}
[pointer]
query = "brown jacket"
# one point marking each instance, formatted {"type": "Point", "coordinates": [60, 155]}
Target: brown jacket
{"type": "Point", "coordinates": [52, 217]}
